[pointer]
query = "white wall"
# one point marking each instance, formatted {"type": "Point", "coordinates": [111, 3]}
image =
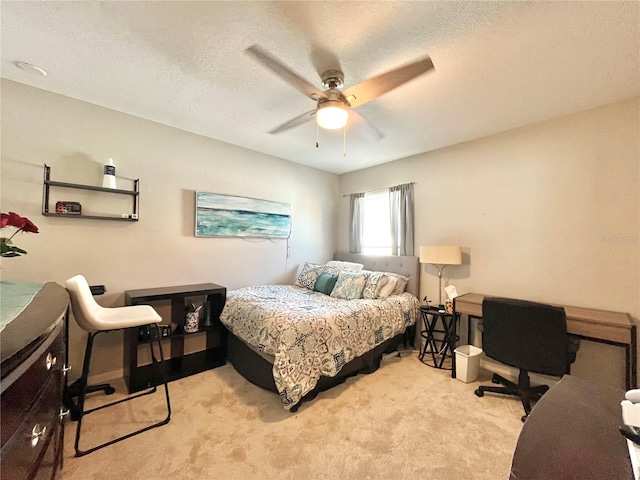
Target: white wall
{"type": "Point", "coordinates": [75, 138]}
{"type": "Point", "coordinates": [549, 212]}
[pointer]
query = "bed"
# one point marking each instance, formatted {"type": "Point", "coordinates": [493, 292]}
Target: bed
{"type": "Point", "coordinates": [297, 342]}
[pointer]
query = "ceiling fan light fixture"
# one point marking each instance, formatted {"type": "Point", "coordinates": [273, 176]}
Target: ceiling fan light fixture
{"type": "Point", "coordinates": [332, 114]}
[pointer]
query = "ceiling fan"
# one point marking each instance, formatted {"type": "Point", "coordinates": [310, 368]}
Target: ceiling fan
{"type": "Point", "coordinates": [333, 106]}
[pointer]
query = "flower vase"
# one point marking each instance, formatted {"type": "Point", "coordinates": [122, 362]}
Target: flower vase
{"type": "Point", "coordinates": [191, 322]}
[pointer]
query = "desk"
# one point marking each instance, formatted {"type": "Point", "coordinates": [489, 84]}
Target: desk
{"type": "Point", "coordinates": [572, 433]}
{"type": "Point", "coordinates": [613, 328]}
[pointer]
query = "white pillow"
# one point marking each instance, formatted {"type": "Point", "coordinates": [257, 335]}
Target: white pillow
{"type": "Point", "coordinates": [374, 281]}
{"type": "Point", "coordinates": [385, 289]}
{"type": "Point", "coordinates": [400, 284]}
{"type": "Point", "coordinates": [345, 265]}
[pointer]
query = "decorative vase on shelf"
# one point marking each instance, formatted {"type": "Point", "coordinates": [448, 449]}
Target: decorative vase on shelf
{"type": "Point", "coordinates": [109, 177]}
{"type": "Point", "coordinates": [206, 317]}
{"type": "Point", "coordinates": [192, 321]}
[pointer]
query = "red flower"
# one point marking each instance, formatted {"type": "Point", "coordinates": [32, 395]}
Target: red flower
{"type": "Point", "coordinates": [29, 226]}
{"type": "Point", "coordinates": [22, 224]}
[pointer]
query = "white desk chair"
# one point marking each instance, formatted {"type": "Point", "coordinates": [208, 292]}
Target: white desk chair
{"type": "Point", "coordinates": [95, 319]}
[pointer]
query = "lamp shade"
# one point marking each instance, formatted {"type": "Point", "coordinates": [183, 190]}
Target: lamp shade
{"type": "Point", "coordinates": [332, 114]}
{"type": "Point", "coordinates": [441, 255]}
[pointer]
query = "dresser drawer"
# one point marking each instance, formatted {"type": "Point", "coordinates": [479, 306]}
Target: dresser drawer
{"type": "Point", "coordinates": [31, 399]}
{"type": "Point", "coordinates": [32, 379]}
{"type": "Point", "coordinates": [20, 396]}
{"type": "Point", "coordinates": [38, 436]}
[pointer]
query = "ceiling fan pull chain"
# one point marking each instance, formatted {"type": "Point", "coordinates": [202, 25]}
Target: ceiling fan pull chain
{"type": "Point", "coordinates": [344, 141]}
{"type": "Point", "coordinates": [317, 135]}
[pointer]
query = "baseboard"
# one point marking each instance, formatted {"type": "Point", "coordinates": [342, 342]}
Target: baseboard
{"type": "Point", "coordinates": [512, 373]}
{"type": "Point", "coordinates": [105, 377]}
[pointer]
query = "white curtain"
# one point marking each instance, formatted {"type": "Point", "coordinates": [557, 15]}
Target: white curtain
{"type": "Point", "coordinates": [356, 222]}
{"type": "Point", "coordinates": [401, 213]}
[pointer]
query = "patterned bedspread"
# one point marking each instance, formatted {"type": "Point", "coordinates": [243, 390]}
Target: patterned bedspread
{"type": "Point", "coordinates": [311, 334]}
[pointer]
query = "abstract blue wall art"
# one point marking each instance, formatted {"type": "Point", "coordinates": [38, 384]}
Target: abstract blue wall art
{"type": "Point", "coordinates": [230, 216]}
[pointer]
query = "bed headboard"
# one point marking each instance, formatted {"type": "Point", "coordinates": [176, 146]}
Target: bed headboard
{"type": "Point", "coordinates": [407, 266]}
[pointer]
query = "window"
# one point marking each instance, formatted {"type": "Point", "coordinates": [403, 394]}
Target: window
{"type": "Point", "coordinates": [376, 236]}
{"type": "Point", "coordinates": [370, 221]}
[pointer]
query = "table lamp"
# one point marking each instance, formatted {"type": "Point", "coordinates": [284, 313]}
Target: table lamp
{"type": "Point", "coordinates": [441, 256]}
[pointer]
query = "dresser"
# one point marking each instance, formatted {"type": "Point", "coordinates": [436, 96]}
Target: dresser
{"type": "Point", "coordinates": [32, 351]}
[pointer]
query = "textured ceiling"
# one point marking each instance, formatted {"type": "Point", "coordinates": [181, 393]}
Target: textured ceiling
{"type": "Point", "coordinates": [498, 66]}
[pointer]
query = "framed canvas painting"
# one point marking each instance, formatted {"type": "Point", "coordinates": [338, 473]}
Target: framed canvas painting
{"type": "Point", "coordinates": [230, 216]}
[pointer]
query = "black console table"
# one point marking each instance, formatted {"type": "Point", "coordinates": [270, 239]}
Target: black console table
{"type": "Point", "coordinates": [139, 377]}
{"type": "Point", "coordinates": [439, 340]}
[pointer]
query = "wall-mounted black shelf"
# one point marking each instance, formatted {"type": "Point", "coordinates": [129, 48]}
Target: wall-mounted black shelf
{"type": "Point", "coordinates": [90, 187]}
{"type": "Point", "coordinates": [95, 217]}
{"type": "Point", "coordinates": [48, 183]}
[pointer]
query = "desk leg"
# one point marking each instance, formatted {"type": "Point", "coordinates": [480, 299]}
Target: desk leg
{"type": "Point", "coordinates": [453, 342]}
{"type": "Point", "coordinates": [470, 319]}
{"type": "Point", "coordinates": [632, 361]}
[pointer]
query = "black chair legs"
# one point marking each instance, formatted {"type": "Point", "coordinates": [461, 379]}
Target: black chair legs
{"type": "Point", "coordinates": [523, 390]}
{"type": "Point", "coordinates": [80, 386]}
{"type": "Point", "coordinates": [73, 392]}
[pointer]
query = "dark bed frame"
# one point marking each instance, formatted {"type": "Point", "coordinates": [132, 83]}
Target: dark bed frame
{"type": "Point", "coordinates": [259, 371]}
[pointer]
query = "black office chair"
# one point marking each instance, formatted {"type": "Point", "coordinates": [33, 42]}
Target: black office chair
{"type": "Point", "coordinates": [529, 336]}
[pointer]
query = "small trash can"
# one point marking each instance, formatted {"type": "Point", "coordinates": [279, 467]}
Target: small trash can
{"type": "Point", "coordinates": [467, 362]}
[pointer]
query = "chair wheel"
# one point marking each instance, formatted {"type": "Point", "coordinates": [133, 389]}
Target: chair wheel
{"type": "Point", "coordinates": [523, 418]}
{"type": "Point", "coordinates": [495, 379]}
{"type": "Point", "coordinates": [479, 393]}
{"type": "Point", "coordinates": [109, 391]}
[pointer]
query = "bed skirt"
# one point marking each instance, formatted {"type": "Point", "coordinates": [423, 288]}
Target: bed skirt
{"type": "Point", "coordinates": [259, 371]}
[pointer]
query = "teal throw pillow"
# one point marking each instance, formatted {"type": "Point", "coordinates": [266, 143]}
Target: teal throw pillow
{"type": "Point", "coordinates": [325, 283]}
{"type": "Point", "coordinates": [350, 285]}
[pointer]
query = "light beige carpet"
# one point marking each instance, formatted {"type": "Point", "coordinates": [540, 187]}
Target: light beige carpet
{"type": "Point", "coordinates": [405, 421]}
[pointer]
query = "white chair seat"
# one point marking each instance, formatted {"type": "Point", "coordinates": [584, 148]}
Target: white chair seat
{"type": "Point", "coordinates": [124, 317]}
{"type": "Point", "coordinates": [92, 317]}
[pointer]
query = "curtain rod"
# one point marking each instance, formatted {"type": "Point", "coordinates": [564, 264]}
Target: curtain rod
{"type": "Point", "coordinates": [377, 189]}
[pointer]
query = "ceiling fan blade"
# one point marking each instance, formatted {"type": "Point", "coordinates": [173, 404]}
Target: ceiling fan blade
{"type": "Point", "coordinates": [371, 89]}
{"type": "Point", "coordinates": [362, 125]}
{"type": "Point", "coordinates": [299, 120]}
{"type": "Point", "coordinates": [285, 73]}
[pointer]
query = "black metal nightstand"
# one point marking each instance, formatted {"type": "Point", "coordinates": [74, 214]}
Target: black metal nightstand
{"type": "Point", "coordinates": [440, 337]}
